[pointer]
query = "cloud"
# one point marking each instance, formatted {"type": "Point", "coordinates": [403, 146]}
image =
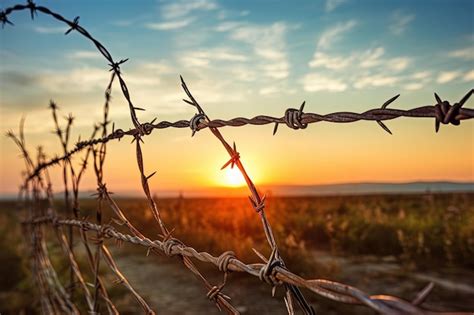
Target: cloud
{"type": "Point", "coordinates": [268, 42]}
{"type": "Point", "coordinates": [268, 90]}
{"type": "Point", "coordinates": [333, 4]}
{"type": "Point", "coordinates": [465, 53]}
{"type": "Point", "coordinates": [179, 9]}
{"type": "Point", "coordinates": [203, 58]}
{"type": "Point", "coordinates": [377, 80]}
{"type": "Point", "coordinates": [398, 64]}
{"type": "Point", "coordinates": [157, 67]}
{"type": "Point", "coordinates": [83, 79]}
{"type": "Point", "coordinates": [17, 79]}
{"type": "Point", "coordinates": [447, 76]}
{"type": "Point", "coordinates": [422, 75]}
{"type": "Point", "coordinates": [50, 29]}
{"type": "Point", "coordinates": [469, 76]}
{"type": "Point", "coordinates": [314, 82]}
{"type": "Point", "coordinates": [321, 59]}
{"type": "Point", "coordinates": [171, 25]}
{"type": "Point", "coordinates": [371, 58]}
{"type": "Point", "coordinates": [85, 54]}
{"type": "Point", "coordinates": [413, 86]}
{"type": "Point", "coordinates": [176, 15]}
{"type": "Point", "coordinates": [400, 21]}
{"type": "Point", "coordinates": [228, 26]}
{"type": "Point", "coordinates": [333, 34]}
{"type": "Point", "coordinates": [366, 59]}
{"type": "Point", "coordinates": [364, 69]}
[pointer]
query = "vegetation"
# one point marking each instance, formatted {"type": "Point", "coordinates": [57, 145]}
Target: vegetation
{"type": "Point", "coordinates": [426, 231]}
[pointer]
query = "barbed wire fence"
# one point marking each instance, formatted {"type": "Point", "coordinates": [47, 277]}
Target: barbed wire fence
{"type": "Point", "coordinates": [37, 194]}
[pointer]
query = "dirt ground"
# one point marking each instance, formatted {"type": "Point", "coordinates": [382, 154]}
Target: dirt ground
{"type": "Point", "coordinates": [171, 289]}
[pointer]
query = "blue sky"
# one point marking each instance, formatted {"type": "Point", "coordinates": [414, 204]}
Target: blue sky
{"type": "Point", "coordinates": [239, 57]}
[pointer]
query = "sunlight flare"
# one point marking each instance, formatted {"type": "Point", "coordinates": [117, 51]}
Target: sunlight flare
{"type": "Point", "coordinates": [232, 177]}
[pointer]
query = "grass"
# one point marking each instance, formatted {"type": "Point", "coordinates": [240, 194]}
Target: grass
{"type": "Point", "coordinates": [424, 231]}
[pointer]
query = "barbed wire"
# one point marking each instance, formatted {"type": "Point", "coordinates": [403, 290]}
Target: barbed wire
{"type": "Point", "coordinates": [379, 114]}
{"type": "Point", "coordinates": [54, 297]}
{"type": "Point", "coordinates": [442, 111]}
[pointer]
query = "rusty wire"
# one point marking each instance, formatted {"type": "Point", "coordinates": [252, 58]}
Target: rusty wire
{"type": "Point", "coordinates": [55, 299]}
{"type": "Point", "coordinates": [444, 116]}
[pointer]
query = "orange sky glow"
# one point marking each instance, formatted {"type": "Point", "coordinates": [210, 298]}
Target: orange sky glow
{"type": "Point", "coordinates": [243, 65]}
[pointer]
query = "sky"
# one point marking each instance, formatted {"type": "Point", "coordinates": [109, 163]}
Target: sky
{"type": "Point", "coordinates": [245, 58]}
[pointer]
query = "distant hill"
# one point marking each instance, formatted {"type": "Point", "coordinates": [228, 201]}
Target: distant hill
{"type": "Point", "coordinates": [335, 189]}
{"type": "Point", "coordinates": [302, 190]}
{"type": "Point", "coordinates": [370, 188]}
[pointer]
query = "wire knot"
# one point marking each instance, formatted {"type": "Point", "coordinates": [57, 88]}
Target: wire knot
{"type": "Point", "coordinates": [115, 66]}
{"type": "Point", "coordinates": [147, 128]}
{"type": "Point", "coordinates": [195, 121]}
{"type": "Point", "coordinates": [169, 244]}
{"type": "Point", "coordinates": [84, 226]}
{"type": "Point", "coordinates": [54, 220]}
{"type": "Point", "coordinates": [213, 293]}
{"type": "Point", "coordinates": [32, 6]}
{"type": "Point", "coordinates": [105, 230]}
{"type": "Point", "coordinates": [4, 19]}
{"type": "Point", "coordinates": [224, 259]}
{"type": "Point", "coordinates": [73, 25]}
{"type": "Point", "coordinates": [267, 272]}
{"type": "Point", "coordinates": [234, 157]}
{"type": "Point", "coordinates": [101, 191]}
{"type": "Point", "coordinates": [293, 119]}
{"type": "Point", "coordinates": [446, 113]}
{"type": "Point", "coordinates": [258, 205]}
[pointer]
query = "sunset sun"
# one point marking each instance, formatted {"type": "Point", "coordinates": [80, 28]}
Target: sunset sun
{"type": "Point", "coordinates": [232, 177]}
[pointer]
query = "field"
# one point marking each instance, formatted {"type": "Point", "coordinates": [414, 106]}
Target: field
{"type": "Point", "coordinates": [391, 244]}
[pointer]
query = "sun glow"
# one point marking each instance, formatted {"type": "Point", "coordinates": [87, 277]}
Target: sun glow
{"type": "Point", "coordinates": [233, 177]}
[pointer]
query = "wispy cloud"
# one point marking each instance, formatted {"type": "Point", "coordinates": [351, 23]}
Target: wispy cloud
{"type": "Point", "coordinates": [333, 34]}
{"type": "Point", "coordinates": [413, 86]}
{"type": "Point", "coordinates": [366, 59]}
{"type": "Point", "coordinates": [82, 79]}
{"type": "Point", "coordinates": [268, 90]}
{"type": "Point", "coordinates": [171, 25]}
{"type": "Point", "coordinates": [314, 82]}
{"type": "Point", "coordinates": [85, 54]}
{"type": "Point", "coordinates": [178, 14]}
{"type": "Point", "coordinates": [331, 5]}
{"type": "Point", "coordinates": [268, 42]}
{"type": "Point", "coordinates": [377, 80]}
{"type": "Point", "coordinates": [372, 57]}
{"type": "Point", "coordinates": [228, 26]}
{"type": "Point", "coordinates": [398, 64]}
{"type": "Point", "coordinates": [469, 76]}
{"type": "Point", "coordinates": [50, 29]}
{"type": "Point", "coordinates": [400, 21]}
{"type": "Point", "coordinates": [447, 76]}
{"type": "Point", "coordinates": [179, 9]}
{"type": "Point", "coordinates": [203, 58]}
{"type": "Point", "coordinates": [365, 69]}
{"type": "Point", "coordinates": [328, 61]}
{"type": "Point", "coordinates": [422, 75]}
{"type": "Point", "coordinates": [464, 53]}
